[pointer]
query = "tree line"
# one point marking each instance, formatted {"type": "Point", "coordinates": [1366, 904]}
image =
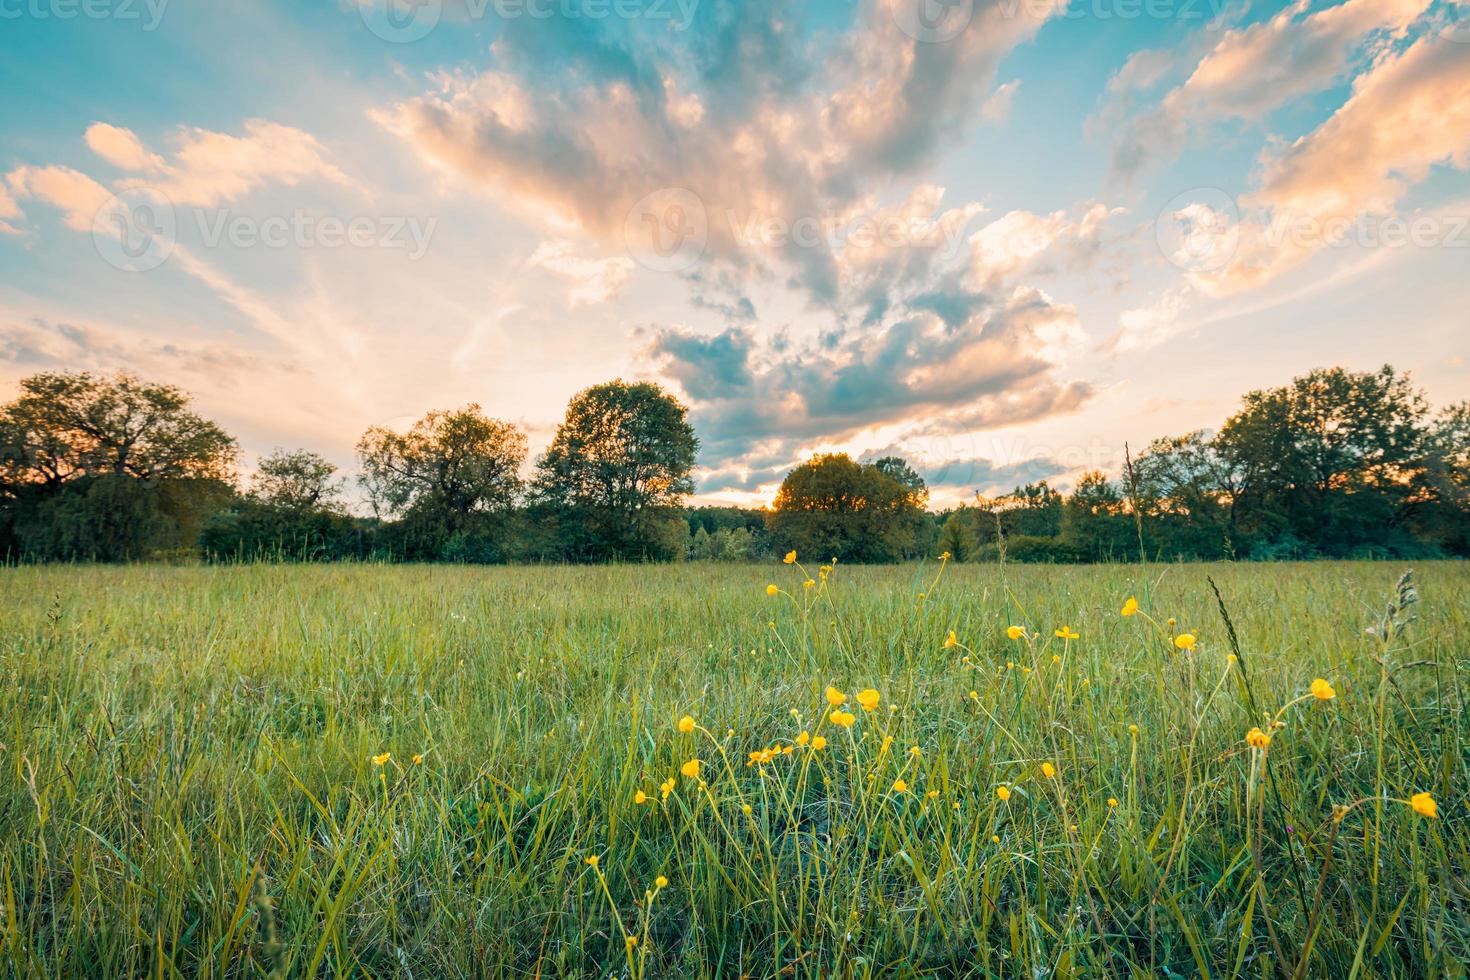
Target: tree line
{"type": "Point", "coordinates": [1334, 464]}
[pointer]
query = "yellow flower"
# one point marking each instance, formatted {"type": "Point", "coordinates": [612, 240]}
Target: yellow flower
{"type": "Point", "coordinates": [666, 787]}
{"type": "Point", "coordinates": [915, 751]}
{"type": "Point", "coordinates": [868, 698]}
{"type": "Point", "coordinates": [640, 797]}
{"type": "Point", "coordinates": [1112, 801]}
{"type": "Point", "coordinates": [1066, 633]}
{"type": "Point", "coordinates": [379, 760]}
{"type": "Point", "coordinates": [1003, 793]}
{"type": "Point", "coordinates": [1130, 607]}
{"type": "Point", "coordinates": [1424, 805]}
{"type": "Point", "coordinates": [995, 838]}
{"type": "Point", "coordinates": [661, 881]}
{"type": "Point", "coordinates": [772, 590]}
{"type": "Point", "coordinates": [790, 558]}
{"type": "Point", "coordinates": [819, 743]}
{"type": "Point", "coordinates": [690, 769]}
{"type": "Point", "coordinates": [1185, 641]}
{"type": "Point", "coordinates": [899, 786]}
{"type": "Point", "coordinates": [803, 738]}
{"type": "Point", "coordinates": [1257, 739]}
{"type": "Point", "coordinates": [630, 941]}
{"type": "Point", "coordinates": [951, 640]}
{"type": "Point", "coordinates": [1048, 770]}
{"type": "Point", "coordinates": [1132, 729]}
{"type": "Point", "coordinates": [746, 809]}
{"type": "Point", "coordinates": [592, 860]}
{"type": "Point", "coordinates": [417, 759]}
{"type": "Point", "coordinates": [1322, 690]}
{"type": "Point", "coordinates": [1016, 632]}
{"type": "Point", "coordinates": [944, 557]}
{"type": "Point", "coordinates": [835, 697]}
{"type": "Point", "coordinates": [686, 724]}
{"type": "Point", "coordinates": [808, 584]}
{"type": "Point", "coordinates": [842, 718]}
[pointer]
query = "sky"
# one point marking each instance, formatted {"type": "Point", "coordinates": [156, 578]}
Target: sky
{"type": "Point", "coordinates": [1001, 238]}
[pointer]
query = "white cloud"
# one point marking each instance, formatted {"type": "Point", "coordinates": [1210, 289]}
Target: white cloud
{"type": "Point", "coordinates": [593, 280]}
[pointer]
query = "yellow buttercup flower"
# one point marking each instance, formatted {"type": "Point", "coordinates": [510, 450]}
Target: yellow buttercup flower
{"type": "Point", "coordinates": [819, 743]}
{"type": "Point", "coordinates": [1016, 632]}
{"type": "Point", "coordinates": [661, 881]}
{"type": "Point", "coordinates": [1424, 805]}
{"type": "Point", "coordinates": [868, 698]}
{"type": "Point", "coordinates": [790, 558]}
{"type": "Point", "coordinates": [809, 584]}
{"type": "Point", "coordinates": [803, 738]}
{"type": "Point", "coordinates": [1322, 691]}
{"type": "Point", "coordinates": [640, 797]}
{"type": "Point", "coordinates": [1257, 739]}
{"type": "Point", "coordinates": [417, 759]}
{"type": "Point", "coordinates": [690, 769]}
{"type": "Point", "coordinates": [944, 557]}
{"type": "Point", "coordinates": [915, 751]}
{"type": "Point", "coordinates": [1130, 607]}
{"type": "Point", "coordinates": [1185, 641]}
{"type": "Point", "coordinates": [835, 697]}
{"type": "Point", "coordinates": [1112, 801]}
{"type": "Point", "coordinates": [772, 590]}
{"type": "Point", "coordinates": [1048, 770]}
{"type": "Point", "coordinates": [842, 718]}
{"type": "Point", "coordinates": [592, 860]}
{"type": "Point", "coordinates": [1003, 793]}
{"type": "Point", "coordinates": [1066, 633]}
{"type": "Point", "coordinates": [380, 760]}
{"type": "Point", "coordinates": [1132, 729]}
{"type": "Point", "coordinates": [899, 786]}
{"type": "Point", "coordinates": [951, 640]}
{"type": "Point", "coordinates": [995, 838]}
{"type": "Point", "coordinates": [686, 724]}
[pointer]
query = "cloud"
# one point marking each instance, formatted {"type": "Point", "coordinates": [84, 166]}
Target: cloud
{"type": "Point", "coordinates": [1253, 70]}
{"type": "Point", "coordinates": [39, 344]}
{"type": "Point", "coordinates": [1023, 241]}
{"type": "Point", "coordinates": [997, 108]}
{"type": "Point", "coordinates": [752, 396]}
{"type": "Point", "coordinates": [593, 280]}
{"type": "Point", "coordinates": [1407, 115]}
{"type": "Point", "coordinates": [209, 168]}
{"type": "Point", "coordinates": [73, 192]}
{"type": "Point", "coordinates": [751, 115]}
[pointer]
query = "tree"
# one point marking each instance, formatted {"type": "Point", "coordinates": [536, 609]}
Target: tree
{"type": "Point", "coordinates": [65, 426]}
{"type": "Point", "coordinates": [1334, 458]}
{"type": "Point", "coordinates": [454, 464]}
{"type": "Point", "coordinates": [617, 469]}
{"type": "Point", "coordinates": [296, 481]}
{"type": "Point", "coordinates": [958, 536]}
{"type": "Point", "coordinates": [1188, 491]}
{"type": "Point", "coordinates": [107, 469]}
{"type": "Point", "coordinates": [1095, 521]}
{"type": "Point", "coordinates": [831, 506]}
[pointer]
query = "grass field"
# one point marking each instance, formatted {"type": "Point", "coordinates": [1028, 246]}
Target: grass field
{"type": "Point", "coordinates": [195, 780]}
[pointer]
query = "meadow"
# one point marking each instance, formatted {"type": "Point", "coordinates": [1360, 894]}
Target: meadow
{"type": "Point", "coordinates": [667, 771]}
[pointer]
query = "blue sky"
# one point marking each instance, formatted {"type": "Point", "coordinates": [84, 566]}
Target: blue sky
{"type": "Point", "coordinates": [1002, 237]}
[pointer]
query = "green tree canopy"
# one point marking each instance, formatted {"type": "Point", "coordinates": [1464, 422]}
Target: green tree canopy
{"type": "Point", "coordinates": [65, 426]}
{"type": "Point", "coordinates": [832, 506]}
{"type": "Point", "coordinates": [619, 464]}
{"type": "Point", "coordinates": [296, 481]}
{"type": "Point", "coordinates": [453, 464]}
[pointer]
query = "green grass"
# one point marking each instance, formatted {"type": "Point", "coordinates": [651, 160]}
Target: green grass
{"type": "Point", "coordinates": [189, 787]}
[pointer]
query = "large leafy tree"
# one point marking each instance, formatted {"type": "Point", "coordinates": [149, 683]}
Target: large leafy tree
{"type": "Point", "coordinates": [618, 468]}
{"type": "Point", "coordinates": [65, 426]}
{"type": "Point", "coordinates": [1332, 458]}
{"type": "Point", "coordinates": [107, 468]}
{"type": "Point", "coordinates": [832, 506]}
{"type": "Point", "coordinates": [452, 464]}
{"type": "Point", "coordinates": [296, 481]}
